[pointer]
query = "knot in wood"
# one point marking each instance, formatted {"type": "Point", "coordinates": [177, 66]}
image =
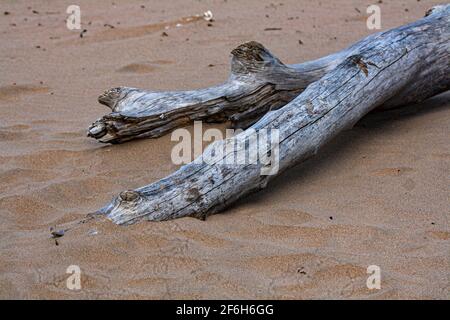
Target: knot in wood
{"type": "Point", "coordinates": [129, 195]}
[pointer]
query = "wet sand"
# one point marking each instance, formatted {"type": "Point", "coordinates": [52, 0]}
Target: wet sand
{"type": "Point", "coordinates": [377, 195]}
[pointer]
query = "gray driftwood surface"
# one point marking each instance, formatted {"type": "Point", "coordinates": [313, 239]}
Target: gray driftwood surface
{"type": "Point", "coordinates": [400, 66]}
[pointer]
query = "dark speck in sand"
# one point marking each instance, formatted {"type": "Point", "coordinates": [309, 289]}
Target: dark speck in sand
{"type": "Point", "coordinates": [301, 271]}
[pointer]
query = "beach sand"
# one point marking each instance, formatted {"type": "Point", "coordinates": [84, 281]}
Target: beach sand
{"type": "Point", "coordinates": [377, 195]}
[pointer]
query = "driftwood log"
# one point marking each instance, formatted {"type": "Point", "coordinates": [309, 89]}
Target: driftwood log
{"type": "Point", "coordinates": [400, 66]}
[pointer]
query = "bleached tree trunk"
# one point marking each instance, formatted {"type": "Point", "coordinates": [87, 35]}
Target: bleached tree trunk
{"type": "Point", "coordinates": [403, 65]}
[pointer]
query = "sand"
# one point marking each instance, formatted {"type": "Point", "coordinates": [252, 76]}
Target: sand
{"type": "Point", "coordinates": [377, 195]}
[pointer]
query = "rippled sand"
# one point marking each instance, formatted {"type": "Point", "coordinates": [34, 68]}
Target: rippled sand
{"type": "Point", "coordinates": [378, 195]}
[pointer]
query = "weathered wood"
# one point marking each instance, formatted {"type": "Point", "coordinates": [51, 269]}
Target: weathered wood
{"type": "Point", "coordinates": [259, 82]}
{"type": "Point", "coordinates": [409, 63]}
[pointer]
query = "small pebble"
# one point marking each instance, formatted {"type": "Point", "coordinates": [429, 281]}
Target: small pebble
{"type": "Point", "coordinates": [57, 233]}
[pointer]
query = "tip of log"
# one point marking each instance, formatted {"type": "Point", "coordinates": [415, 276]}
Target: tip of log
{"type": "Point", "coordinates": [252, 57]}
{"type": "Point", "coordinates": [122, 207]}
{"type": "Point", "coordinates": [97, 130]}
